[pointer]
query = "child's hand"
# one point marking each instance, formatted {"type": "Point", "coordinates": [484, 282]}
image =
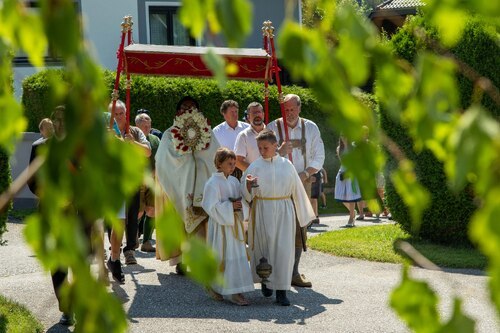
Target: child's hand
{"type": "Point", "coordinates": [237, 205]}
{"type": "Point", "coordinates": [251, 181]}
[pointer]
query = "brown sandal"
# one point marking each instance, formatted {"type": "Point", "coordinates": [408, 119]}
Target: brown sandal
{"type": "Point", "coordinates": [239, 299]}
{"type": "Point", "coordinates": [214, 295]}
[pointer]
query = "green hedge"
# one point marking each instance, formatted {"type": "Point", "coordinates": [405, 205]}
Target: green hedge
{"type": "Point", "coordinates": [447, 219]}
{"type": "Point", "coordinates": [479, 48]}
{"type": "Point", "coordinates": [160, 95]}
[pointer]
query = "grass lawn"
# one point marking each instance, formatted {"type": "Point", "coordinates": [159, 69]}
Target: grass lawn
{"type": "Point", "coordinates": [376, 243]}
{"type": "Point", "coordinates": [15, 318]}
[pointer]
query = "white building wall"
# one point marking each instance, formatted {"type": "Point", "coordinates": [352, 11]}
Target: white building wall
{"type": "Point", "coordinates": [102, 28]}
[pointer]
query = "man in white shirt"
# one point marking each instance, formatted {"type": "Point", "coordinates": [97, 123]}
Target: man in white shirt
{"type": "Point", "coordinates": [227, 132]}
{"type": "Point", "coordinates": [308, 154]}
{"type": "Point", "coordinates": [245, 148]}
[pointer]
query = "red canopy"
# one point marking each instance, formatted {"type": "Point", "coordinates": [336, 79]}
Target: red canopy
{"type": "Point", "coordinates": [187, 61]}
{"type": "Point", "coordinates": [253, 64]}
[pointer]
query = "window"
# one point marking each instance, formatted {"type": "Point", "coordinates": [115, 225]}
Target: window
{"type": "Point", "coordinates": [165, 27]}
{"type": "Point", "coordinates": [50, 57]}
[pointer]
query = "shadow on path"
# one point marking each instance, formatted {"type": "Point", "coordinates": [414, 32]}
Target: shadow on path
{"type": "Point", "coordinates": [179, 297]}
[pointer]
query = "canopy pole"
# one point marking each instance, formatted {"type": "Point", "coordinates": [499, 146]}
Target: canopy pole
{"type": "Point", "coordinates": [269, 29]}
{"type": "Point", "coordinates": [129, 81]}
{"type": "Point", "coordinates": [267, 75]}
{"type": "Point", "coordinates": [119, 54]}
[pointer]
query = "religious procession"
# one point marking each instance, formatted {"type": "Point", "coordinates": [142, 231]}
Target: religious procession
{"type": "Point", "coordinates": [244, 187]}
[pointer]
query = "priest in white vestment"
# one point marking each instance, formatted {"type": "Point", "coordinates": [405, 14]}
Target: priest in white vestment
{"type": "Point", "coordinates": [277, 202]}
{"type": "Point", "coordinates": [225, 234]}
{"type": "Point", "coordinates": [184, 162]}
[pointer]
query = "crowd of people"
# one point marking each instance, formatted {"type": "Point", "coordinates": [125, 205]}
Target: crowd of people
{"type": "Point", "coordinates": [246, 188]}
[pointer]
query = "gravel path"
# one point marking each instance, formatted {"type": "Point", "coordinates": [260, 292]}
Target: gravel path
{"type": "Point", "coordinates": [348, 295]}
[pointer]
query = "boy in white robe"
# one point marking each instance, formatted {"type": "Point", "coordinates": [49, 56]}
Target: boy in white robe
{"type": "Point", "coordinates": [222, 202]}
{"type": "Point", "coordinates": [278, 201]}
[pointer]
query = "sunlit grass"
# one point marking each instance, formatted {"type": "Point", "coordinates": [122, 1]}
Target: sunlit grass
{"type": "Point", "coordinates": [15, 318]}
{"type": "Point", "coordinates": [376, 243]}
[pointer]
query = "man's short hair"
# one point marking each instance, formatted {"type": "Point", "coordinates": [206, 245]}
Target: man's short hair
{"type": "Point", "coordinates": [267, 135]}
{"type": "Point", "coordinates": [289, 97]}
{"type": "Point", "coordinates": [142, 117]}
{"type": "Point", "coordinates": [227, 104]}
{"type": "Point", "coordinates": [119, 104]}
{"type": "Point", "coordinates": [223, 154]}
{"type": "Point", "coordinates": [46, 123]}
{"type": "Point", "coordinates": [58, 111]}
{"type": "Point", "coordinates": [254, 105]}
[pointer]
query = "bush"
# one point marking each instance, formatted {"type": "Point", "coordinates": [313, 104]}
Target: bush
{"type": "Point", "coordinates": [478, 48]}
{"type": "Point", "coordinates": [447, 219]}
{"type": "Point", "coordinates": [160, 95]}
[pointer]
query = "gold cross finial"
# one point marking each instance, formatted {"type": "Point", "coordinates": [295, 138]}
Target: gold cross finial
{"type": "Point", "coordinates": [268, 29]}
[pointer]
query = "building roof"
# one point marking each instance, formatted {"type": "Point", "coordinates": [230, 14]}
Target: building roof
{"type": "Point", "coordinates": [399, 4]}
{"type": "Point", "coordinates": [396, 7]}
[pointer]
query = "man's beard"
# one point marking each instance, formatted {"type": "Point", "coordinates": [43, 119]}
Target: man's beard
{"type": "Point", "coordinates": [257, 121]}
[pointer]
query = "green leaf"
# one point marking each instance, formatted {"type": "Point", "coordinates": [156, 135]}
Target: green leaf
{"type": "Point", "coordinates": [201, 261]}
{"type": "Point", "coordinates": [485, 230]}
{"type": "Point", "coordinates": [57, 14]}
{"type": "Point", "coordinates": [355, 36]}
{"type": "Point", "coordinates": [102, 312]}
{"type": "Point", "coordinates": [169, 229]}
{"type": "Point", "coordinates": [295, 43]}
{"type": "Point", "coordinates": [32, 40]}
{"type": "Point", "coordinates": [193, 15]}
{"type": "Point", "coordinates": [474, 150]}
{"type": "Point", "coordinates": [393, 83]}
{"type": "Point", "coordinates": [216, 64]}
{"type": "Point", "coordinates": [459, 323]}
{"type": "Point", "coordinates": [416, 304]}
{"type": "Point", "coordinates": [11, 113]}
{"type": "Point", "coordinates": [435, 97]}
{"type": "Point", "coordinates": [414, 195]}
{"type": "Point", "coordinates": [235, 18]}
{"type": "Point", "coordinates": [450, 23]}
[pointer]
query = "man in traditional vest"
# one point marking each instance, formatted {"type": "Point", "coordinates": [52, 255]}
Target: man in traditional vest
{"type": "Point", "coordinates": [308, 154]}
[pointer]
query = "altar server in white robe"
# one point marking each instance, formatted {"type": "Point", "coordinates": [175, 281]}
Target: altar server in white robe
{"type": "Point", "coordinates": [277, 202]}
{"type": "Point", "coordinates": [222, 202]}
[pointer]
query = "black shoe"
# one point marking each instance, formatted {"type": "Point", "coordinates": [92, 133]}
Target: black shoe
{"type": "Point", "coordinates": [281, 298]}
{"type": "Point", "coordinates": [266, 291]}
{"type": "Point", "coordinates": [115, 267]}
{"type": "Point", "coordinates": [66, 319]}
{"type": "Point", "coordinates": [179, 269]}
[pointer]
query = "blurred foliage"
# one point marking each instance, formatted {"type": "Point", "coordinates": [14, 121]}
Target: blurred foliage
{"type": "Point", "coordinates": [421, 103]}
{"type": "Point", "coordinates": [477, 48]}
{"type": "Point", "coordinates": [416, 303]}
{"type": "Point", "coordinates": [339, 54]}
{"type": "Point", "coordinates": [450, 211]}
